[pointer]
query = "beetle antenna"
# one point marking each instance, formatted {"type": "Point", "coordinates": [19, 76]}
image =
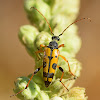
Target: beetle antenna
{"type": "Point", "coordinates": [44, 18]}
{"type": "Point", "coordinates": [73, 23]}
{"type": "Point", "coordinates": [17, 93]}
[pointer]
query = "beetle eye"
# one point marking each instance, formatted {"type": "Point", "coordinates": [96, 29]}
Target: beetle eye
{"type": "Point", "coordinates": [53, 37]}
{"type": "Point", "coordinates": [50, 44]}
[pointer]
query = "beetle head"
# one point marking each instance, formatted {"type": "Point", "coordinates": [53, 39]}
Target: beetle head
{"type": "Point", "coordinates": [55, 38]}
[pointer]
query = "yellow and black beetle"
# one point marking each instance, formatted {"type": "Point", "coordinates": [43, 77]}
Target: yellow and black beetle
{"type": "Point", "coordinates": [50, 59]}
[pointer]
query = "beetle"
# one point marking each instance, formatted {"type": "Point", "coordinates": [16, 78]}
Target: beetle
{"type": "Point", "coordinates": [50, 59]}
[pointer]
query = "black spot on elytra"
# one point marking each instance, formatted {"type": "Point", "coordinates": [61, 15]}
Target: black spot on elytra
{"type": "Point", "coordinates": [45, 74]}
{"type": "Point", "coordinates": [54, 65]}
{"type": "Point", "coordinates": [50, 57]}
{"type": "Point", "coordinates": [47, 83]}
{"type": "Point", "coordinates": [50, 75]}
{"type": "Point", "coordinates": [55, 56]}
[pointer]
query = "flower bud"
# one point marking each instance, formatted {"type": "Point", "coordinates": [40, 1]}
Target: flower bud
{"type": "Point", "coordinates": [76, 93]}
{"type": "Point", "coordinates": [27, 35]}
{"type": "Point", "coordinates": [72, 44]}
{"type": "Point", "coordinates": [30, 93]}
{"type": "Point", "coordinates": [43, 38]}
{"type": "Point", "coordinates": [43, 96]}
{"type": "Point", "coordinates": [58, 88]}
{"type": "Point", "coordinates": [56, 98]}
{"type": "Point", "coordinates": [75, 68]}
{"type": "Point", "coordinates": [34, 16]}
{"type": "Point", "coordinates": [62, 22]}
{"type": "Point", "coordinates": [67, 7]}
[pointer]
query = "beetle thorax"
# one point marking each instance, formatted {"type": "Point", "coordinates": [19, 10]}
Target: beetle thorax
{"type": "Point", "coordinates": [53, 45]}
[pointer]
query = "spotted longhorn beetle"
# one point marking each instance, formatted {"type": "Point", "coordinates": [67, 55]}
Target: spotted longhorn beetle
{"type": "Point", "coordinates": [50, 59]}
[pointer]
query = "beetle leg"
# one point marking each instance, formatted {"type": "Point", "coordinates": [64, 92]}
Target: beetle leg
{"type": "Point", "coordinates": [62, 76]}
{"type": "Point", "coordinates": [62, 45]}
{"type": "Point", "coordinates": [33, 75]}
{"type": "Point", "coordinates": [68, 65]}
{"type": "Point", "coordinates": [28, 81]}
{"type": "Point", "coordinates": [39, 51]}
{"type": "Point", "coordinates": [42, 45]}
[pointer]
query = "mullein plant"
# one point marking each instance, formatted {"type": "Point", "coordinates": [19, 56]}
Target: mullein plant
{"type": "Point", "coordinates": [62, 13]}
